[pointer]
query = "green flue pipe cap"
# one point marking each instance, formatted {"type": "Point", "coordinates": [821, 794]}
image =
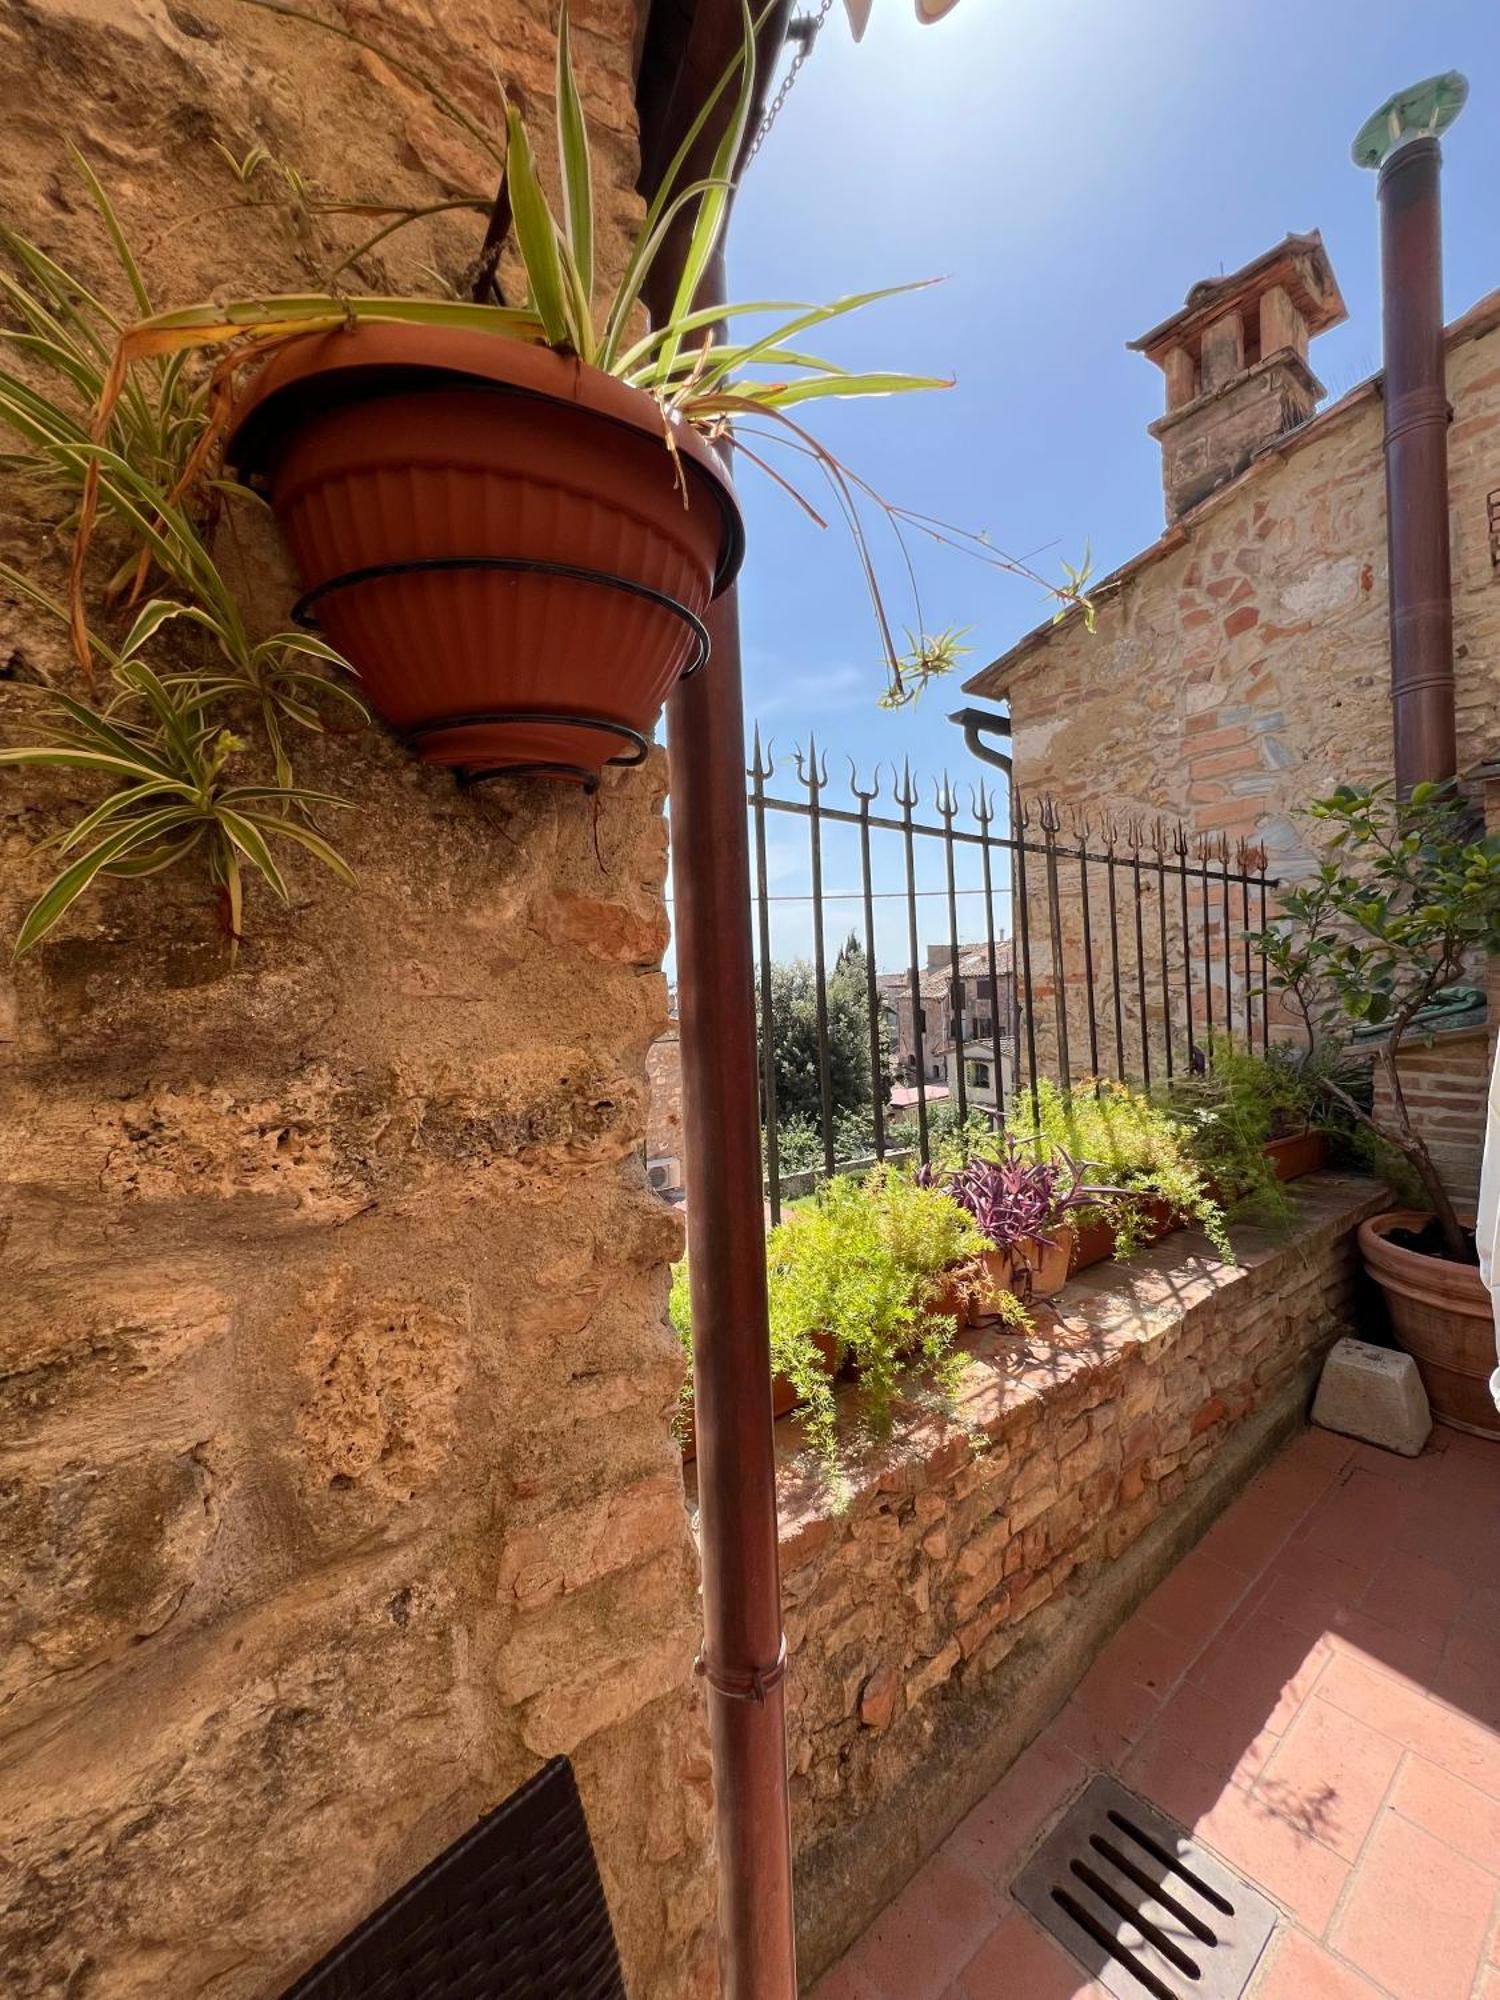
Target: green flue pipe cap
{"type": "Point", "coordinates": [1420, 112]}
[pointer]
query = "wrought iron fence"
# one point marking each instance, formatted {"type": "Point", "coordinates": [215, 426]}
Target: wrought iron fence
{"type": "Point", "coordinates": [1125, 947]}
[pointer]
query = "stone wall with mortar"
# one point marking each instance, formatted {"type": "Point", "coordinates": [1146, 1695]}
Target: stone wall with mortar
{"type": "Point", "coordinates": [1241, 666]}
{"type": "Point", "coordinates": [962, 1543]}
{"type": "Point", "coordinates": [336, 1486]}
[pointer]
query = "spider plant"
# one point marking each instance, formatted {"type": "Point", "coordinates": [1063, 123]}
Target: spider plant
{"type": "Point", "coordinates": [65, 337]}
{"type": "Point", "coordinates": [174, 796]}
{"type": "Point", "coordinates": [746, 386]}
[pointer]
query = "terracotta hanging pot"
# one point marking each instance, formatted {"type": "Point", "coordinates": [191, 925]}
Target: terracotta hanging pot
{"type": "Point", "coordinates": [1442, 1315]}
{"type": "Point", "coordinates": [497, 538]}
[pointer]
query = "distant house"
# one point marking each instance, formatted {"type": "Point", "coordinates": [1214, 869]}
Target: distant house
{"type": "Point", "coordinates": [965, 1017]}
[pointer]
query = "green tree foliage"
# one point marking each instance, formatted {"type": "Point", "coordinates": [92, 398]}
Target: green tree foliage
{"type": "Point", "coordinates": [1406, 895]}
{"type": "Point", "coordinates": [794, 1031]}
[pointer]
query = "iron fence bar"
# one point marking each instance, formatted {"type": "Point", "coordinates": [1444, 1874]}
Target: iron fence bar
{"type": "Point", "coordinates": [1116, 983]}
{"type": "Point", "coordinates": [878, 820]}
{"type": "Point", "coordinates": [984, 814]}
{"type": "Point", "coordinates": [1088, 944]}
{"type": "Point", "coordinates": [872, 989]}
{"type": "Point", "coordinates": [1208, 959]}
{"type": "Point", "coordinates": [1180, 849]}
{"type": "Point", "coordinates": [1265, 978]}
{"type": "Point", "coordinates": [1159, 843]}
{"type": "Point", "coordinates": [906, 798]}
{"type": "Point", "coordinates": [760, 770]}
{"type": "Point", "coordinates": [815, 779]}
{"type": "Point", "coordinates": [1050, 825]}
{"type": "Point", "coordinates": [1140, 953]}
{"type": "Point", "coordinates": [945, 806]}
{"type": "Point", "coordinates": [1020, 820]}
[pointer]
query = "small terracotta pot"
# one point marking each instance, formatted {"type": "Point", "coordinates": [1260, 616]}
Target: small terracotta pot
{"type": "Point", "coordinates": [1093, 1243]}
{"type": "Point", "coordinates": [784, 1397]}
{"type": "Point", "coordinates": [951, 1303]}
{"type": "Point", "coordinates": [1047, 1264]}
{"type": "Point", "coordinates": [1443, 1316]}
{"type": "Point", "coordinates": [1301, 1153]}
{"type": "Point", "coordinates": [496, 537]}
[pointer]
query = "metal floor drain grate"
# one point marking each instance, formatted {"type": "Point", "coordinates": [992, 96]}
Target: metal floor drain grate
{"type": "Point", "coordinates": [1145, 1910]}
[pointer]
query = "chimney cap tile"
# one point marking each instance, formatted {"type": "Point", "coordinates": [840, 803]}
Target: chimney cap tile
{"type": "Point", "coordinates": [1298, 264]}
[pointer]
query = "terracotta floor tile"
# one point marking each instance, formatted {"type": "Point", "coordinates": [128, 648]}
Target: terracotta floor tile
{"type": "Point", "coordinates": [1227, 1741]}
{"type": "Point", "coordinates": [1409, 1718]}
{"type": "Point", "coordinates": [1412, 1474]}
{"type": "Point", "coordinates": [1469, 1679]}
{"type": "Point", "coordinates": [1328, 1777]}
{"type": "Point", "coordinates": [1262, 1669]}
{"type": "Point", "coordinates": [1305, 1877]}
{"type": "Point", "coordinates": [1246, 1541]}
{"type": "Point", "coordinates": [1099, 1743]}
{"type": "Point", "coordinates": [1416, 1594]}
{"type": "Point", "coordinates": [1479, 1617]}
{"type": "Point", "coordinates": [1019, 1962]}
{"type": "Point", "coordinates": [1142, 1654]}
{"type": "Point", "coordinates": [1298, 1969]}
{"type": "Point", "coordinates": [1359, 1520]}
{"type": "Point", "coordinates": [1118, 1705]}
{"type": "Point", "coordinates": [1462, 1535]}
{"type": "Point", "coordinates": [1307, 1607]}
{"type": "Point", "coordinates": [846, 1982]}
{"type": "Point", "coordinates": [1405, 1654]}
{"type": "Point", "coordinates": [1455, 1812]}
{"type": "Point", "coordinates": [1196, 1598]}
{"type": "Point", "coordinates": [993, 1837]}
{"type": "Point", "coordinates": [1174, 1780]}
{"type": "Point", "coordinates": [919, 1944]}
{"type": "Point", "coordinates": [1416, 1916]}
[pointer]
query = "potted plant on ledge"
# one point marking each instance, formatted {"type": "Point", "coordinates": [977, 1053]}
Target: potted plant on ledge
{"type": "Point", "coordinates": [1406, 896]}
{"type": "Point", "coordinates": [1021, 1205]}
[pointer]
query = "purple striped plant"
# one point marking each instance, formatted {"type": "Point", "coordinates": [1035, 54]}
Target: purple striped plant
{"type": "Point", "coordinates": [1017, 1198]}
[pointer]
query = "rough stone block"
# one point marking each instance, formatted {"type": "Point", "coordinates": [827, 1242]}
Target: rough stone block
{"type": "Point", "coordinates": [1372, 1393]}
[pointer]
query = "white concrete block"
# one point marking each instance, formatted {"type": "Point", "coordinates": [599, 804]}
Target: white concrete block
{"type": "Point", "coordinates": [1372, 1393]}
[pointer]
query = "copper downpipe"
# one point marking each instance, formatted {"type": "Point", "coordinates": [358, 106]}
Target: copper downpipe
{"type": "Point", "coordinates": [743, 1658]}
{"type": "Point", "coordinates": [1416, 465]}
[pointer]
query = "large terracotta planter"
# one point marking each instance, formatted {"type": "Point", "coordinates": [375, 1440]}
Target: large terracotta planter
{"type": "Point", "coordinates": [1442, 1316]}
{"type": "Point", "coordinates": [497, 538]}
{"type": "Point", "coordinates": [1302, 1153]}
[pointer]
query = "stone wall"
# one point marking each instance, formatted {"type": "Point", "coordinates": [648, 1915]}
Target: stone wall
{"type": "Point", "coordinates": [962, 1557]}
{"type": "Point", "coordinates": [335, 1471]}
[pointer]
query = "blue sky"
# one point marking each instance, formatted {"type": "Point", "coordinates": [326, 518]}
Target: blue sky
{"type": "Point", "coordinates": [1069, 167]}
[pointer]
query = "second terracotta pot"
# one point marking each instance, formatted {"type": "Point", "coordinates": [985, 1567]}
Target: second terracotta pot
{"type": "Point", "coordinates": [1442, 1315]}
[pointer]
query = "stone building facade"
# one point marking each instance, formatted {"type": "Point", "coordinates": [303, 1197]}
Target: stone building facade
{"type": "Point", "coordinates": [1241, 664]}
{"type": "Point", "coordinates": [336, 1478]}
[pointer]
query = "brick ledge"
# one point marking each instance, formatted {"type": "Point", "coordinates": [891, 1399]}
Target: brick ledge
{"type": "Point", "coordinates": [1106, 1313]}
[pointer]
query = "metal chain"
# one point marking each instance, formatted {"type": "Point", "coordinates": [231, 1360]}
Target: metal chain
{"type": "Point", "coordinates": [809, 26]}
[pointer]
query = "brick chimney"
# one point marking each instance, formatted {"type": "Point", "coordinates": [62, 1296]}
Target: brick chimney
{"type": "Point", "coordinates": [1235, 359]}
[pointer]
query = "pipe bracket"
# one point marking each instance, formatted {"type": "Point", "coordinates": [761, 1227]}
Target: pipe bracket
{"type": "Point", "coordinates": [745, 1684]}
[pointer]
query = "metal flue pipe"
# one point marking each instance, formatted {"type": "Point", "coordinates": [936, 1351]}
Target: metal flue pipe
{"type": "Point", "coordinates": [1401, 140]}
